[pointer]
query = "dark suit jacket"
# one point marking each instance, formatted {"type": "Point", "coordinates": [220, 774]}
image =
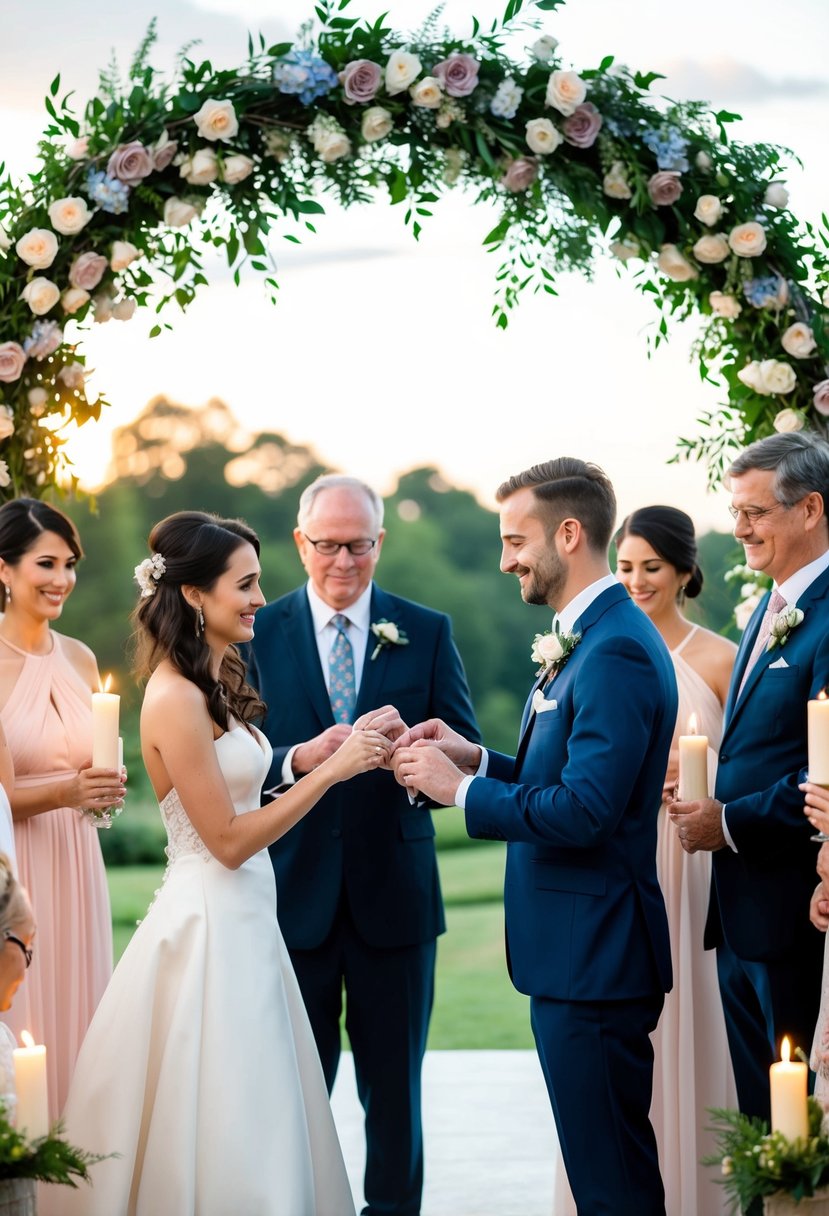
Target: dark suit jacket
{"type": "Point", "coordinates": [364, 839]}
{"type": "Point", "coordinates": [578, 805]}
{"type": "Point", "coordinates": [763, 890]}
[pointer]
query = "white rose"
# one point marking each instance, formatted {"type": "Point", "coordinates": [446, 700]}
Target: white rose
{"type": "Point", "coordinates": [122, 310]}
{"type": "Point", "coordinates": [102, 305]}
{"type": "Point", "coordinates": [798, 341]}
{"type": "Point", "coordinates": [5, 475]}
{"type": "Point", "coordinates": [402, 70]}
{"type": "Point", "coordinates": [178, 212]}
{"type": "Point", "coordinates": [748, 240]}
{"type": "Point", "coordinates": [542, 49]}
{"type": "Point", "coordinates": [628, 248]}
{"type": "Point", "coordinates": [79, 148]}
{"type": "Point", "coordinates": [6, 422]}
{"type": "Point", "coordinates": [377, 123]}
{"type": "Point", "coordinates": [387, 630]}
{"type": "Point", "coordinates": [72, 375]}
{"type": "Point", "coordinates": [542, 136]}
{"type": "Point", "coordinates": [121, 254]}
{"type": "Point", "coordinates": [5, 241]}
{"type": "Point", "coordinates": [37, 398]}
{"type": "Point", "coordinates": [331, 144]}
{"type": "Point", "coordinates": [41, 295]}
{"type": "Point", "coordinates": [708, 209]}
{"type": "Point", "coordinates": [789, 420]}
{"type": "Point", "coordinates": [711, 249]}
{"type": "Point", "coordinates": [74, 299]}
{"type": "Point", "coordinates": [674, 265]}
{"type": "Point", "coordinates": [750, 376]}
{"type": "Point", "coordinates": [776, 196]}
{"type": "Point", "coordinates": [236, 168]}
{"type": "Point", "coordinates": [69, 215]}
{"type": "Point", "coordinates": [703, 161]}
{"type": "Point", "coordinates": [38, 248]}
{"type": "Point", "coordinates": [778, 377]}
{"type": "Point", "coordinates": [565, 91]}
{"type": "Point", "coordinates": [426, 93]}
{"type": "Point", "coordinates": [725, 305]}
{"type": "Point", "coordinates": [742, 615]}
{"type": "Point", "coordinates": [201, 168]}
{"type": "Point", "coordinates": [615, 183]}
{"type": "Point", "coordinates": [217, 120]}
{"type": "Point", "coordinates": [547, 648]}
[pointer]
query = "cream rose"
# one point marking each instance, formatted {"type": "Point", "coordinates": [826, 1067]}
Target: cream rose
{"type": "Point", "coordinates": [201, 168]}
{"type": "Point", "coordinates": [12, 360]}
{"type": "Point", "coordinates": [102, 305]}
{"type": "Point", "coordinates": [542, 49]}
{"type": "Point", "coordinates": [178, 212]}
{"type": "Point", "coordinates": [121, 254]}
{"type": "Point", "coordinates": [725, 305]}
{"type": "Point", "coordinates": [789, 420]}
{"type": "Point", "coordinates": [542, 136]}
{"type": "Point", "coordinates": [674, 265]}
{"type": "Point", "coordinates": [37, 398]}
{"type": "Point", "coordinates": [751, 378]}
{"type": "Point", "coordinates": [236, 168]}
{"type": "Point", "coordinates": [711, 249]}
{"type": "Point", "coordinates": [123, 310]}
{"type": "Point", "coordinates": [748, 240]}
{"type": "Point", "coordinates": [5, 240]}
{"type": "Point", "coordinates": [628, 248]}
{"type": "Point", "coordinates": [402, 70]}
{"type": "Point", "coordinates": [330, 143]}
{"type": "Point", "coordinates": [798, 341]}
{"type": "Point", "coordinates": [776, 196]}
{"type": "Point", "coordinates": [217, 120]}
{"type": "Point", "coordinates": [547, 649]}
{"type": "Point", "coordinates": [6, 422]}
{"type": "Point", "coordinates": [72, 375]}
{"type": "Point", "coordinates": [5, 475]}
{"type": "Point", "coordinates": [703, 161]}
{"type": "Point", "coordinates": [376, 124]}
{"type": "Point", "coordinates": [565, 91]}
{"type": "Point", "coordinates": [427, 93]}
{"type": "Point", "coordinates": [742, 615]}
{"type": "Point", "coordinates": [778, 377]}
{"type": "Point", "coordinates": [79, 148]}
{"type": "Point", "coordinates": [38, 248]}
{"type": "Point", "coordinates": [74, 299]}
{"type": "Point", "coordinates": [69, 215]}
{"type": "Point", "coordinates": [615, 183]}
{"type": "Point", "coordinates": [41, 295]}
{"type": "Point", "coordinates": [708, 209]}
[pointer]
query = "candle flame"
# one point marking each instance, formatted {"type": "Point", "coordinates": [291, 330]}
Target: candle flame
{"type": "Point", "coordinates": [26, 1039]}
{"type": "Point", "coordinates": [106, 684]}
{"type": "Point", "coordinates": [692, 725]}
{"type": "Point", "coordinates": [785, 1049]}
{"type": "Point", "coordinates": [821, 695]}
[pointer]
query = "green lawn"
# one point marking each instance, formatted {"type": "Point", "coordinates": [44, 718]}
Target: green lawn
{"type": "Point", "coordinates": [475, 1004]}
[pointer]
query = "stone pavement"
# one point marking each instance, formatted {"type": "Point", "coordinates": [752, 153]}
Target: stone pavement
{"type": "Point", "coordinates": [490, 1141]}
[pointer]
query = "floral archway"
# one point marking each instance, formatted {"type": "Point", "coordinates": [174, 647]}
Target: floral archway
{"type": "Point", "coordinates": [580, 163]}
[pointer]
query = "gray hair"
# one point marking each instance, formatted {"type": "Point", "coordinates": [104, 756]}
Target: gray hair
{"type": "Point", "coordinates": [799, 460]}
{"type": "Point", "coordinates": [338, 481]}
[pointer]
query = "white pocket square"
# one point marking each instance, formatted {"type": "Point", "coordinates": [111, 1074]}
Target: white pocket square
{"type": "Point", "coordinates": [781, 662]}
{"type": "Point", "coordinates": [540, 703]}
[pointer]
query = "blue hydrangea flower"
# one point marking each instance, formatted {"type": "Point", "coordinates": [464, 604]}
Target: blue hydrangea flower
{"type": "Point", "coordinates": [304, 74]}
{"type": "Point", "coordinates": [769, 292]}
{"type": "Point", "coordinates": [668, 146]}
{"type": "Point", "coordinates": [110, 194]}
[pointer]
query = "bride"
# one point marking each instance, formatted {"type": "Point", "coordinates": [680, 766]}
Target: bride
{"type": "Point", "coordinates": [199, 1069]}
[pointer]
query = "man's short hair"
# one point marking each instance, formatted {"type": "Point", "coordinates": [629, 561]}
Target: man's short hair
{"type": "Point", "coordinates": [799, 460]}
{"type": "Point", "coordinates": [338, 481]}
{"type": "Point", "coordinates": [569, 488]}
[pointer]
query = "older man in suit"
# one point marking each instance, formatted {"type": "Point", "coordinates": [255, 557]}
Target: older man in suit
{"type": "Point", "coordinates": [587, 935]}
{"type": "Point", "coordinates": [358, 894]}
{"type": "Point", "coordinates": [769, 957]}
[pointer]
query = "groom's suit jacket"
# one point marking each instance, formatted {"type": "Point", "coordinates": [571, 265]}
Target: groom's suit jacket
{"type": "Point", "coordinates": [578, 805]}
{"type": "Point", "coordinates": [364, 841]}
{"type": "Point", "coordinates": [761, 893]}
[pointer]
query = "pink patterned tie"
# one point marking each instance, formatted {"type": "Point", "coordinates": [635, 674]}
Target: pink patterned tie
{"type": "Point", "coordinates": [342, 691]}
{"type": "Point", "coordinates": [776, 604]}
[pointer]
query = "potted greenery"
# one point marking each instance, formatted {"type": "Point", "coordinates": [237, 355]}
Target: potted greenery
{"type": "Point", "coordinates": [24, 1162]}
{"type": "Point", "coordinates": [767, 1175]}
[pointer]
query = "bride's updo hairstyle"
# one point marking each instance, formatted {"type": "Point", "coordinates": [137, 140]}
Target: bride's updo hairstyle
{"type": "Point", "coordinates": [670, 533]}
{"type": "Point", "coordinates": [195, 550]}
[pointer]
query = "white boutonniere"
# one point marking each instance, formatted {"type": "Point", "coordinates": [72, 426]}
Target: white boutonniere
{"type": "Point", "coordinates": [387, 634]}
{"type": "Point", "coordinates": [551, 650]}
{"type": "Point", "coordinates": [782, 624]}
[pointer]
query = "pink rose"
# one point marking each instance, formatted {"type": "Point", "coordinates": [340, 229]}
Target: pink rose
{"type": "Point", "coordinates": [520, 174]}
{"type": "Point", "coordinates": [163, 151]}
{"type": "Point", "coordinates": [583, 125]}
{"type": "Point", "coordinates": [821, 392]}
{"type": "Point", "coordinates": [12, 358]}
{"type": "Point", "coordinates": [360, 81]}
{"type": "Point", "coordinates": [458, 74]}
{"type": "Point", "coordinates": [130, 163]}
{"type": "Point", "coordinates": [664, 188]}
{"type": "Point", "coordinates": [87, 270]}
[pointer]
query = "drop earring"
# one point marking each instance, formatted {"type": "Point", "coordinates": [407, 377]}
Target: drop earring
{"type": "Point", "coordinates": [199, 622]}
{"type": "Point", "coordinates": [8, 593]}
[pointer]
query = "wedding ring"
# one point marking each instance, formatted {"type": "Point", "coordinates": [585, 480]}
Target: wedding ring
{"type": "Point", "coordinates": [378, 750]}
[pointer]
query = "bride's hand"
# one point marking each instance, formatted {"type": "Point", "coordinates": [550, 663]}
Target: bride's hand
{"type": "Point", "coordinates": [362, 750]}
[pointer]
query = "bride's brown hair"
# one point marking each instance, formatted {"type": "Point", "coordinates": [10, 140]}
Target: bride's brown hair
{"type": "Point", "coordinates": [196, 548]}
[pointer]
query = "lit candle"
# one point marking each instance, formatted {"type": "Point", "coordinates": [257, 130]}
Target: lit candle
{"type": "Point", "coordinates": [30, 1083]}
{"type": "Point", "coordinates": [120, 753]}
{"type": "Point", "coordinates": [789, 1111]}
{"type": "Point", "coordinates": [818, 733]}
{"type": "Point", "coordinates": [105, 709]}
{"type": "Point", "coordinates": [693, 764]}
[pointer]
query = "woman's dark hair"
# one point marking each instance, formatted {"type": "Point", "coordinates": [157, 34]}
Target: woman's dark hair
{"type": "Point", "coordinates": [196, 548]}
{"type": "Point", "coordinates": [23, 520]}
{"type": "Point", "coordinates": [670, 533]}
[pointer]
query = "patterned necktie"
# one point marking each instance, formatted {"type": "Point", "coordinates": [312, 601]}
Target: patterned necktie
{"type": "Point", "coordinates": [776, 604]}
{"type": "Point", "coordinates": [342, 691]}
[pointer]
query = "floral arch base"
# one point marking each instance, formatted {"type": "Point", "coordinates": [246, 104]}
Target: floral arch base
{"type": "Point", "coordinates": [124, 202]}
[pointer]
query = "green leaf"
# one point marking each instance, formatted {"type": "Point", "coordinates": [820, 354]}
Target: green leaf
{"type": "Point", "coordinates": [55, 85]}
{"type": "Point", "coordinates": [607, 62]}
{"type": "Point", "coordinates": [398, 186]}
{"type": "Point", "coordinates": [644, 80]}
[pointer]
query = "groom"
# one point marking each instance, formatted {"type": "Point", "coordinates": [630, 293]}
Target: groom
{"type": "Point", "coordinates": [587, 935]}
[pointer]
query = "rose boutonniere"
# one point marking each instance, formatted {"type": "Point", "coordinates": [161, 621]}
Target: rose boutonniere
{"type": "Point", "coordinates": [551, 650]}
{"type": "Point", "coordinates": [782, 624]}
{"type": "Point", "coordinates": [387, 634]}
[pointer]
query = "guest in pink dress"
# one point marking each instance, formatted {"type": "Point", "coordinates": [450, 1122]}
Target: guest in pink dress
{"type": "Point", "coordinates": [46, 682]}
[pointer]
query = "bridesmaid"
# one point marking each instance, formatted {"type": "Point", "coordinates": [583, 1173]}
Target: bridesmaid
{"type": "Point", "coordinates": [46, 682]}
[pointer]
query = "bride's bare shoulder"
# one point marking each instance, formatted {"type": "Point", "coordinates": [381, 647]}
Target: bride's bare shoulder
{"type": "Point", "coordinates": [169, 694]}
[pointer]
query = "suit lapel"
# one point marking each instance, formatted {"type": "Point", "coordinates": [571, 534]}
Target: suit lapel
{"type": "Point", "coordinates": [299, 630]}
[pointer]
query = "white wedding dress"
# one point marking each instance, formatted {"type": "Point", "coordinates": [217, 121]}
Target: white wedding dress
{"type": "Point", "coordinates": [200, 1068]}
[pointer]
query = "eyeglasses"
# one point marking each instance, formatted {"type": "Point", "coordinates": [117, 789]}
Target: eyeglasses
{"type": "Point", "coordinates": [330, 548]}
{"type": "Point", "coordinates": [752, 514]}
{"type": "Point", "coordinates": [27, 950]}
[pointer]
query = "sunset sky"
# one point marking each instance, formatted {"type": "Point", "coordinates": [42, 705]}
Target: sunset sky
{"type": "Point", "coordinates": [381, 354]}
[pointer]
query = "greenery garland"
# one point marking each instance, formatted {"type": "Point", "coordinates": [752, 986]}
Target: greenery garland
{"type": "Point", "coordinates": [122, 204]}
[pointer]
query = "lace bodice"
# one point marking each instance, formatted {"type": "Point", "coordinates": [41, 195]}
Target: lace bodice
{"type": "Point", "coordinates": [244, 759]}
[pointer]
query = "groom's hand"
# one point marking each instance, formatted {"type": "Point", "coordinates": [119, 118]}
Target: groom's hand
{"type": "Point", "coordinates": [699, 825]}
{"type": "Point", "coordinates": [426, 768]}
{"type": "Point", "coordinates": [819, 907]}
{"type": "Point", "coordinates": [465, 755]}
{"type": "Point", "coordinates": [311, 753]}
{"type": "Point", "coordinates": [386, 720]}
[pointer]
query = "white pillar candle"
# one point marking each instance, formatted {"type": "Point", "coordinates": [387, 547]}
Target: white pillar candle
{"type": "Point", "coordinates": [693, 764]}
{"type": "Point", "coordinates": [120, 753]}
{"type": "Point", "coordinates": [32, 1116]}
{"type": "Point", "coordinates": [105, 711]}
{"type": "Point", "coordinates": [818, 735]}
{"type": "Point", "coordinates": [789, 1109]}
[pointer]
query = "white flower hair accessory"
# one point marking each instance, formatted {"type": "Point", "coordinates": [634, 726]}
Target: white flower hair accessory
{"type": "Point", "coordinates": [148, 572]}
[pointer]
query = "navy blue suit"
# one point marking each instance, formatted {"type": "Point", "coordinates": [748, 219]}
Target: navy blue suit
{"type": "Point", "coordinates": [358, 893]}
{"type": "Point", "coordinates": [587, 934]}
{"type": "Point", "coordinates": [769, 955]}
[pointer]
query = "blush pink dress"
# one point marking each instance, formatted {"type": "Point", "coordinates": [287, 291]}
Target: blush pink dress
{"type": "Point", "coordinates": [48, 724]}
